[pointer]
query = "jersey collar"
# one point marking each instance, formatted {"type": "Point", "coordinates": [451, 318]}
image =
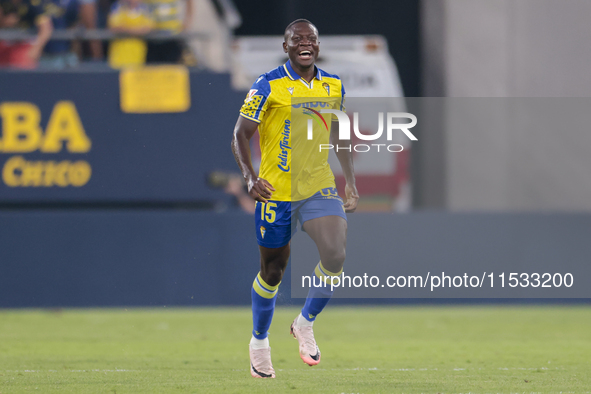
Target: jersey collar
{"type": "Point", "coordinates": [294, 76]}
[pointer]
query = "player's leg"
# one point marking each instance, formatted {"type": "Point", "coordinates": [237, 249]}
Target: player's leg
{"type": "Point", "coordinates": [263, 295]}
{"type": "Point", "coordinates": [264, 290]}
{"type": "Point", "coordinates": [273, 263]}
{"type": "Point", "coordinates": [330, 235]}
{"type": "Point", "coordinates": [273, 228]}
{"type": "Point", "coordinates": [325, 222]}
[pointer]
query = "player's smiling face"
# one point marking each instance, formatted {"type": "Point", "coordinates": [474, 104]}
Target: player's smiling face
{"type": "Point", "coordinates": [302, 45]}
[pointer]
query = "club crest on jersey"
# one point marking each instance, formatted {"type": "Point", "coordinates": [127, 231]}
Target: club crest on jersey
{"type": "Point", "coordinates": [251, 94]}
{"type": "Point", "coordinates": [263, 231]}
{"type": "Point", "coordinates": [290, 90]}
{"type": "Point", "coordinates": [326, 87]}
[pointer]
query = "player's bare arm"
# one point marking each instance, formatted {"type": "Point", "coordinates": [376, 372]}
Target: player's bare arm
{"type": "Point", "coordinates": [346, 160]}
{"type": "Point", "coordinates": [259, 189]}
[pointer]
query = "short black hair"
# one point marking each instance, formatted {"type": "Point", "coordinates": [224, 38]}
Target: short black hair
{"type": "Point", "coordinates": [301, 20]}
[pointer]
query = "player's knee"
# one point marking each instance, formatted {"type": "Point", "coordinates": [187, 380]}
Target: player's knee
{"type": "Point", "coordinates": [335, 258]}
{"type": "Point", "coordinates": [272, 272]}
{"type": "Point", "coordinates": [272, 276]}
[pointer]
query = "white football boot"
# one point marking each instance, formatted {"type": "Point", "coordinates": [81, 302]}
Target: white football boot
{"type": "Point", "coordinates": [260, 363]}
{"type": "Point", "coordinates": [309, 351]}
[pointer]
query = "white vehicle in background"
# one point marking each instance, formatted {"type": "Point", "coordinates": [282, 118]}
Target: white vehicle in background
{"type": "Point", "coordinates": [367, 70]}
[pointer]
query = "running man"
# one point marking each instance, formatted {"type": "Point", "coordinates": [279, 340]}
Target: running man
{"type": "Point", "coordinates": [313, 202]}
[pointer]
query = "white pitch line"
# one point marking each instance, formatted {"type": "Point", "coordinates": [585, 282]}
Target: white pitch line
{"type": "Point", "coordinates": [316, 369]}
{"type": "Point", "coordinates": [74, 370]}
{"type": "Point", "coordinates": [416, 369]}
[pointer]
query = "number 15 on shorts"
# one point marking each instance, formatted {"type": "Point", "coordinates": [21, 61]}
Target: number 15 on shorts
{"type": "Point", "coordinates": [267, 212]}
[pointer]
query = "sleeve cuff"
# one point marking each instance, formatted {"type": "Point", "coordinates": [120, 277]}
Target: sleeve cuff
{"type": "Point", "coordinates": [249, 118]}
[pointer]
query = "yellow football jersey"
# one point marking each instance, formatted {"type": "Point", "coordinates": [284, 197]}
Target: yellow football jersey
{"type": "Point", "coordinates": [294, 165]}
{"type": "Point", "coordinates": [131, 51]}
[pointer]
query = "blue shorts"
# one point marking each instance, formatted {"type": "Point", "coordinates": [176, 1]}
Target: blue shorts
{"type": "Point", "coordinates": [276, 221]}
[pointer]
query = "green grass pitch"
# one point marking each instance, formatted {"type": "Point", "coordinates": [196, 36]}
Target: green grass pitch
{"type": "Point", "coordinates": [477, 349]}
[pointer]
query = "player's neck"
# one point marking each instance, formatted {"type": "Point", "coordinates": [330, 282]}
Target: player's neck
{"type": "Point", "coordinates": [306, 73]}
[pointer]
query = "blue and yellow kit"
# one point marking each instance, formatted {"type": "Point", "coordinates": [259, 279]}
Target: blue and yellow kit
{"type": "Point", "coordinates": [293, 164]}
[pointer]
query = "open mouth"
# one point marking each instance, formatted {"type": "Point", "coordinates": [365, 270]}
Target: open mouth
{"type": "Point", "coordinates": [305, 55]}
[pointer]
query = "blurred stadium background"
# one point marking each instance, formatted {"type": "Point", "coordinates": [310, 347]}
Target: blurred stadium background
{"type": "Point", "coordinates": [114, 182]}
{"type": "Point", "coordinates": [119, 188]}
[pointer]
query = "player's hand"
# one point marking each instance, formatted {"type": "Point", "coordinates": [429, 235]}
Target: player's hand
{"type": "Point", "coordinates": [260, 189]}
{"type": "Point", "coordinates": [352, 198]}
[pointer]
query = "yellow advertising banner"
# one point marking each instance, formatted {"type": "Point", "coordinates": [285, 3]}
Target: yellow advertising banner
{"type": "Point", "coordinates": [155, 89]}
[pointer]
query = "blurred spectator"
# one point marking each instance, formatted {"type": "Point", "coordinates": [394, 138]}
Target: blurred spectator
{"type": "Point", "coordinates": [24, 14]}
{"type": "Point", "coordinates": [232, 183]}
{"type": "Point", "coordinates": [168, 18]}
{"type": "Point", "coordinates": [66, 14]}
{"type": "Point", "coordinates": [134, 18]}
{"type": "Point", "coordinates": [237, 188]}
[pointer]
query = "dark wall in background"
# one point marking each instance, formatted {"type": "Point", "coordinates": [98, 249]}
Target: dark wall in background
{"type": "Point", "coordinates": [397, 20]}
{"type": "Point", "coordinates": [80, 258]}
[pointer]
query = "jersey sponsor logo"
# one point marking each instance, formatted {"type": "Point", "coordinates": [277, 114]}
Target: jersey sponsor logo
{"type": "Point", "coordinates": [313, 104]}
{"type": "Point", "coordinates": [290, 90]}
{"type": "Point", "coordinates": [284, 148]}
{"type": "Point", "coordinates": [326, 87]}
